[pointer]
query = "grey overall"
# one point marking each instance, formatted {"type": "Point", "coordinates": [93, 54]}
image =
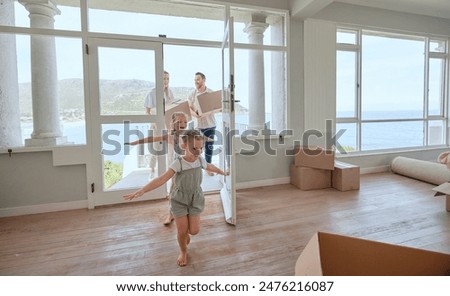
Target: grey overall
{"type": "Point", "coordinates": [187, 196]}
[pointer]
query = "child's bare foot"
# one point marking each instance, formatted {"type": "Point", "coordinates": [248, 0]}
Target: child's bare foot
{"type": "Point", "coordinates": [168, 220]}
{"type": "Point", "coordinates": [188, 239]}
{"type": "Point", "coordinates": [182, 259]}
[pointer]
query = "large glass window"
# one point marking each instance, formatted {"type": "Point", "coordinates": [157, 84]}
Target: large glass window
{"type": "Point", "coordinates": [191, 31]}
{"type": "Point", "coordinates": [391, 90]}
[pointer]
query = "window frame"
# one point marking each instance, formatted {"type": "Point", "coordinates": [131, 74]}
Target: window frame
{"type": "Point", "coordinates": [426, 117]}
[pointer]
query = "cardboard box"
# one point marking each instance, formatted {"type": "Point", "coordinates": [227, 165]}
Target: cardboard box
{"type": "Point", "coordinates": [306, 178]}
{"type": "Point", "coordinates": [336, 255]}
{"type": "Point", "coordinates": [178, 106]}
{"type": "Point", "coordinates": [314, 157]}
{"type": "Point", "coordinates": [207, 103]}
{"type": "Point", "coordinates": [444, 189]}
{"type": "Point", "coordinates": [345, 176]}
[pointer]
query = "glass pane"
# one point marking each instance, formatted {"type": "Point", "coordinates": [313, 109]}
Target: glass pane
{"type": "Point", "coordinates": [126, 77]}
{"type": "Point", "coordinates": [388, 135]}
{"type": "Point", "coordinates": [436, 132]}
{"type": "Point", "coordinates": [348, 140]}
{"type": "Point", "coordinates": [346, 84]}
{"type": "Point", "coordinates": [172, 19]}
{"type": "Point", "coordinates": [70, 90]}
{"type": "Point", "coordinates": [272, 25]}
{"type": "Point", "coordinates": [346, 36]}
{"type": "Point", "coordinates": [392, 77]}
{"type": "Point", "coordinates": [24, 78]}
{"type": "Point", "coordinates": [195, 59]}
{"type": "Point", "coordinates": [274, 90]}
{"type": "Point", "coordinates": [66, 17]}
{"type": "Point", "coordinates": [437, 45]}
{"type": "Point", "coordinates": [241, 77]}
{"type": "Point", "coordinates": [126, 166]}
{"type": "Point", "coordinates": [436, 87]}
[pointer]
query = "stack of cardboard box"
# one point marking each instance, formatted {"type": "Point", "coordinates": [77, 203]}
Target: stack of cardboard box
{"type": "Point", "coordinates": [312, 168]}
{"type": "Point", "coordinates": [316, 168]}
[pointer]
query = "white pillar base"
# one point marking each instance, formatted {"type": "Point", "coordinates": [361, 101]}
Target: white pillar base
{"type": "Point", "coordinates": [54, 141]}
{"type": "Point", "coordinates": [258, 128]}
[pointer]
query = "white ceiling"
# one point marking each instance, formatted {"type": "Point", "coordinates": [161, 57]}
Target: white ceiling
{"type": "Point", "coordinates": [435, 8]}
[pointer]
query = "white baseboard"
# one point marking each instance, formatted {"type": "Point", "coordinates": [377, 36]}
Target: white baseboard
{"type": "Point", "coordinates": [44, 208]}
{"type": "Point", "coordinates": [373, 170]}
{"type": "Point", "coordinates": [287, 180]}
{"type": "Point", "coordinates": [260, 183]}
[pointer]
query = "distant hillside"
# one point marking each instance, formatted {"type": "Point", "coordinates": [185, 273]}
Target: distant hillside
{"type": "Point", "coordinates": [125, 95]}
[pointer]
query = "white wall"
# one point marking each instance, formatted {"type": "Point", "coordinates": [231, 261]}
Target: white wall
{"type": "Point", "coordinates": [320, 79]}
{"type": "Point", "coordinates": [30, 178]}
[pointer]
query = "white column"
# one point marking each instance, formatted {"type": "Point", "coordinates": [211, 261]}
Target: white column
{"type": "Point", "coordinates": [255, 30]}
{"type": "Point", "coordinates": [44, 80]}
{"type": "Point", "coordinates": [10, 132]}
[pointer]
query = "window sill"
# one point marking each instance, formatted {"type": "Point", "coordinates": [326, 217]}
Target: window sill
{"type": "Point", "coordinates": [391, 151]}
{"type": "Point", "coordinates": [62, 155]}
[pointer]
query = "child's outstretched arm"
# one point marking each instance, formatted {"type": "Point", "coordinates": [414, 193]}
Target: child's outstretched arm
{"type": "Point", "coordinates": [148, 140]}
{"type": "Point", "coordinates": [155, 183]}
{"type": "Point", "coordinates": [212, 168]}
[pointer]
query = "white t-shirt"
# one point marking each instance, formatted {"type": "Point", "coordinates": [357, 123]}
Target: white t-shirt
{"type": "Point", "coordinates": [199, 162]}
{"type": "Point", "coordinates": [150, 99]}
{"type": "Point", "coordinates": [205, 121]}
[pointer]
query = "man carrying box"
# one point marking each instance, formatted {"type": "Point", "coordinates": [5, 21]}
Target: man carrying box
{"type": "Point", "coordinates": [206, 123]}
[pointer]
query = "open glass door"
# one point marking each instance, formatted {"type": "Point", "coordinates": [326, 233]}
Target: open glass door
{"type": "Point", "coordinates": [228, 192]}
{"type": "Point", "coordinates": [123, 73]}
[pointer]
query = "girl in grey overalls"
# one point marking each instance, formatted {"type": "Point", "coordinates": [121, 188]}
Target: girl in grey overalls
{"type": "Point", "coordinates": [187, 200]}
{"type": "Point", "coordinates": [177, 125]}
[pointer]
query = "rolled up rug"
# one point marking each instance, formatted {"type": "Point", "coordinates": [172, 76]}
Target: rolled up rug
{"type": "Point", "coordinates": [427, 171]}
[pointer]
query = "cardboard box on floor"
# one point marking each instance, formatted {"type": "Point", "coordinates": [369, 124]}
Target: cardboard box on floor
{"type": "Point", "coordinates": [345, 176]}
{"type": "Point", "coordinates": [337, 255]}
{"type": "Point", "coordinates": [178, 106]}
{"type": "Point", "coordinates": [314, 157]}
{"type": "Point", "coordinates": [306, 178]}
{"type": "Point", "coordinates": [444, 189]}
{"type": "Point", "coordinates": [207, 103]}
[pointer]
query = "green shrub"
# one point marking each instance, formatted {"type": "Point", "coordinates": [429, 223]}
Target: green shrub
{"type": "Point", "coordinates": [112, 172]}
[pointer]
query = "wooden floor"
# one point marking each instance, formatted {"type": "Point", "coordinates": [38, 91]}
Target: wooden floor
{"type": "Point", "coordinates": [274, 224]}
